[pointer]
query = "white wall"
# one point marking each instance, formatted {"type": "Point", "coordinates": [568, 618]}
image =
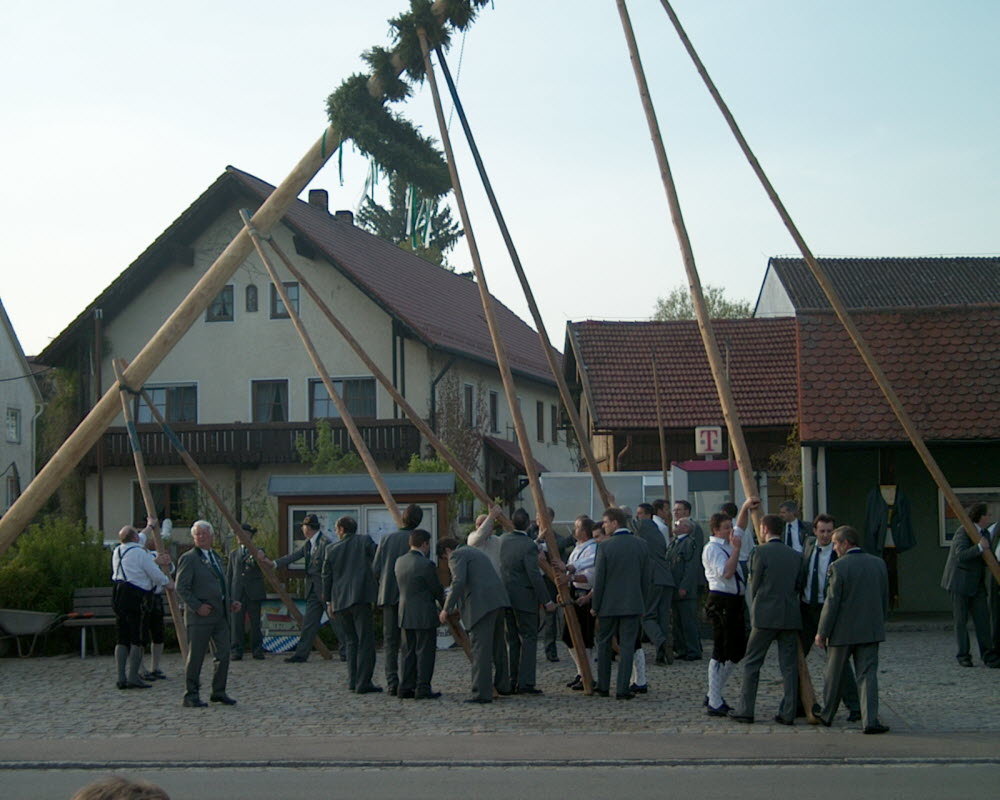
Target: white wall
{"type": "Point", "coordinates": [19, 397]}
{"type": "Point", "coordinates": [773, 300]}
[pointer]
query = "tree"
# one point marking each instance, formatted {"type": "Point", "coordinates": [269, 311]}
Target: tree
{"type": "Point", "coordinates": [391, 224]}
{"type": "Point", "coordinates": [678, 305]}
{"type": "Point", "coordinates": [326, 457]}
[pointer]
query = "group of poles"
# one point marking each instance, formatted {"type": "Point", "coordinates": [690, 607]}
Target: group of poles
{"type": "Point", "coordinates": [256, 233]}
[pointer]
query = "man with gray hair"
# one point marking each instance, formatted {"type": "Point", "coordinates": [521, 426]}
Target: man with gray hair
{"type": "Point", "coordinates": [201, 584]}
{"type": "Point", "coordinates": [795, 533]}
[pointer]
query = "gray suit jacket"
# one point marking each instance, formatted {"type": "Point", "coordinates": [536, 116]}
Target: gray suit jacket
{"type": "Point", "coordinates": [347, 572]}
{"type": "Point", "coordinates": [389, 549]}
{"type": "Point", "coordinates": [197, 583]}
{"type": "Point", "coordinates": [622, 576]}
{"type": "Point", "coordinates": [476, 588]}
{"type": "Point", "coordinates": [243, 576]}
{"type": "Point", "coordinates": [684, 561]}
{"type": "Point", "coordinates": [775, 570]}
{"type": "Point", "coordinates": [807, 553]}
{"type": "Point", "coordinates": [963, 571]}
{"type": "Point", "coordinates": [420, 591]}
{"type": "Point", "coordinates": [521, 575]}
{"type": "Point", "coordinates": [314, 569]}
{"type": "Point", "coordinates": [857, 600]}
{"type": "Point", "coordinates": [650, 534]}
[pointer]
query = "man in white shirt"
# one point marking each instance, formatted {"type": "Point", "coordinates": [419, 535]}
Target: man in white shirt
{"type": "Point", "coordinates": [661, 518]}
{"type": "Point", "coordinates": [483, 538]}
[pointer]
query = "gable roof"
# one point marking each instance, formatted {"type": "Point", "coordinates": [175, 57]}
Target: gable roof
{"type": "Point", "coordinates": [890, 283]}
{"type": "Point", "coordinates": [438, 307]}
{"type": "Point", "coordinates": [614, 360]}
{"type": "Point", "coordinates": [27, 371]}
{"type": "Point", "coordinates": [943, 363]}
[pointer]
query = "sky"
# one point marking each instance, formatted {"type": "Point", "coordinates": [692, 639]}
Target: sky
{"type": "Point", "coordinates": [876, 121]}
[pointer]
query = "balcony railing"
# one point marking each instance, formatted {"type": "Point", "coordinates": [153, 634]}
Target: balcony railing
{"type": "Point", "coordinates": [252, 444]}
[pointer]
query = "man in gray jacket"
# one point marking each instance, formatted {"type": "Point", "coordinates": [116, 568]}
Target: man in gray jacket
{"type": "Point", "coordinates": [853, 624]}
{"type": "Point", "coordinates": [684, 561]}
{"type": "Point", "coordinates": [622, 577]}
{"type": "Point", "coordinates": [657, 622]}
{"type": "Point", "coordinates": [420, 593]}
{"type": "Point", "coordinates": [245, 583]}
{"type": "Point", "coordinates": [522, 579]}
{"type": "Point", "coordinates": [390, 548]}
{"type": "Point", "coordinates": [349, 589]}
{"type": "Point", "coordinates": [478, 592]}
{"type": "Point", "coordinates": [775, 584]}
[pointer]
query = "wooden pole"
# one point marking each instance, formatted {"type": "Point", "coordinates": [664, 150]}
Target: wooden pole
{"type": "Point", "coordinates": [164, 340]}
{"type": "Point", "coordinates": [544, 523]}
{"type": "Point", "coordinates": [567, 399]}
{"type": "Point", "coordinates": [270, 574]}
{"type": "Point", "coordinates": [729, 410]}
{"type": "Point", "coordinates": [352, 429]}
{"type": "Point", "coordinates": [147, 499]}
{"type": "Point", "coordinates": [838, 306]}
{"type": "Point", "coordinates": [663, 436]}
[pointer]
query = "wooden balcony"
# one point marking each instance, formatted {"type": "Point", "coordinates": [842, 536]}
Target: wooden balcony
{"type": "Point", "coordinates": [253, 444]}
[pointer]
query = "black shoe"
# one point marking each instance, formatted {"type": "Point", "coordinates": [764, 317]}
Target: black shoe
{"type": "Point", "coordinates": [690, 657]}
{"type": "Point", "coordinates": [393, 691]}
{"type": "Point", "coordinates": [626, 696]}
{"type": "Point", "coordinates": [740, 718]}
{"type": "Point", "coordinates": [854, 716]}
{"type": "Point", "coordinates": [635, 688]}
{"type": "Point", "coordinates": [406, 694]}
{"type": "Point", "coordinates": [236, 656]}
{"type": "Point", "coordinates": [782, 721]}
{"type": "Point", "coordinates": [877, 728]}
{"type": "Point", "coordinates": [258, 655]}
{"type": "Point", "coordinates": [138, 685]}
{"type": "Point", "coordinates": [147, 676]}
{"type": "Point", "coordinates": [578, 680]}
{"type": "Point", "coordinates": [194, 702]}
{"type": "Point", "coordinates": [602, 692]}
{"type": "Point", "coordinates": [529, 690]}
{"type": "Point", "coordinates": [965, 661]}
{"type": "Point", "coordinates": [368, 689]}
{"type": "Point", "coordinates": [158, 674]}
{"type": "Point", "coordinates": [479, 700]}
{"type": "Point", "coordinates": [427, 696]}
{"type": "Point", "coordinates": [122, 684]}
{"type": "Point", "coordinates": [225, 699]}
{"type": "Point", "coordinates": [504, 693]}
{"type": "Point", "coordinates": [295, 660]}
{"type": "Point", "coordinates": [721, 711]}
{"type": "Point", "coordinates": [552, 656]}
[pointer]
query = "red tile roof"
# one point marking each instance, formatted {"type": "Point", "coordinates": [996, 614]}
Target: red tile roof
{"type": "Point", "coordinates": [616, 360]}
{"type": "Point", "coordinates": [943, 363]}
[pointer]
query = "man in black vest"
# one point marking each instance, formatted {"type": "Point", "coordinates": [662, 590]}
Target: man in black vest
{"type": "Point", "coordinates": [420, 594]}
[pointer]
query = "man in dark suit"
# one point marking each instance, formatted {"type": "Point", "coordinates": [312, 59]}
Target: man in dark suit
{"type": "Point", "coordinates": [656, 622]}
{"type": "Point", "coordinates": [774, 581]}
{"type": "Point", "coordinates": [420, 593]}
{"type": "Point", "coordinates": [522, 579]}
{"type": "Point", "coordinates": [794, 534]}
{"type": "Point", "coordinates": [389, 549]}
{"type": "Point", "coordinates": [478, 592]}
{"type": "Point", "coordinates": [853, 624]}
{"type": "Point", "coordinates": [349, 589]}
{"type": "Point", "coordinates": [201, 584]}
{"type": "Point", "coordinates": [551, 619]}
{"type": "Point", "coordinates": [622, 578]}
{"type": "Point", "coordinates": [964, 579]}
{"type": "Point", "coordinates": [817, 556]}
{"type": "Point", "coordinates": [684, 561]}
{"type": "Point", "coordinates": [312, 550]}
{"type": "Point", "coordinates": [245, 584]}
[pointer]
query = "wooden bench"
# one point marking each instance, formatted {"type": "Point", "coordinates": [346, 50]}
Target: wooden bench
{"type": "Point", "coordinates": [92, 609]}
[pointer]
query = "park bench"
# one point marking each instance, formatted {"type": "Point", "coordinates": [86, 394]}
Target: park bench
{"type": "Point", "coordinates": [92, 609]}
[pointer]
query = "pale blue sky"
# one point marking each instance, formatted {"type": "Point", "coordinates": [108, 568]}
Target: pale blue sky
{"type": "Point", "coordinates": [875, 119]}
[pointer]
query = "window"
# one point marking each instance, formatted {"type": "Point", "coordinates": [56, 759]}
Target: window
{"type": "Point", "coordinates": [176, 501]}
{"type": "Point", "coordinates": [278, 310]}
{"type": "Point", "coordinates": [468, 405]}
{"type": "Point", "coordinates": [540, 420]}
{"type": "Point", "coordinates": [357, 393]}
{"type": "Point", "coordinates": [221, 308]}
{"type": "Point", "coordinates": [270, 401]}
{"type": "Point", "coordinates": [176, 403]}
{"type": "Point", "coordinates": [494, 412]}
{"type": "Point", "coordinates": [13, 421]}
{"type": "Point", "coordinates": [251, 298]}
{"type": "Point", "coordinates": [555, 424]}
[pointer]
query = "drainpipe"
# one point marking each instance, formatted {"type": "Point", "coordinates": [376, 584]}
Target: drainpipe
{"type": "Point", "coordinates": [434, 383]}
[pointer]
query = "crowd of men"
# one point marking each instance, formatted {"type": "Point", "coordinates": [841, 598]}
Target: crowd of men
{"type": "Point", "coordinates": [629, 579]}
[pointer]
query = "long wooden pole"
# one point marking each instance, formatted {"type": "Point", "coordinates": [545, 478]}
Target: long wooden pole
{"type": "Point", "coordinates": [164, 340]}
{"type": "Point", "coordinates": [729, 410]}
{"type": "Point", "coordinates": [352, 428]}
{"type": "Point", "coordinates": [147, 499]}
{"type": "Point", "coordinates": [582, 436]}
{"type": "Point", "coordinates": [544, 522]}
{"type": "Point", "coordinates": [270, 574]}
{"type": "Point", "coordinates": [839, 308]}
{"type": "Point", "coordinates": [660, 428]}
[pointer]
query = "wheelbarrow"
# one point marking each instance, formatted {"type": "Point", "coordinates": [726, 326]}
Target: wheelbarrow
{"type": "Point", "coordinates": [15, 623]}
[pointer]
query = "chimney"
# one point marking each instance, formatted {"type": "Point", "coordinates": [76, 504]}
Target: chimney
{"type": "Point", "coordinates": [345, 216]}
{"type": "Point", "coordinates": [320, 198]}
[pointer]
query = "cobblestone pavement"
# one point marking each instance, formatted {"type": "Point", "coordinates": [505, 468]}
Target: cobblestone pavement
{"type": "Point", "coordinates": [922, 690]}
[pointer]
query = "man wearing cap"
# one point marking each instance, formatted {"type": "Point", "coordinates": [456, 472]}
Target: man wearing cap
{"type": "Point", "coordinates": [246, 584]}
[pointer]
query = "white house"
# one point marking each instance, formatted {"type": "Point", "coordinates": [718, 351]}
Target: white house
{"type": "Point", "coordinates": [20, 403]}
{"type": "Point", "coordinates": [240, 388]}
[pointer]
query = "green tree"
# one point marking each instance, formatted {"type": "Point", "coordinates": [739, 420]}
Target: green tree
{"type": "Point", "coordinates": [678, 305]}
{"type": "Point", "coordinates": [325, 456]}
{"type": "Point", "coordinates": [391, 224]}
